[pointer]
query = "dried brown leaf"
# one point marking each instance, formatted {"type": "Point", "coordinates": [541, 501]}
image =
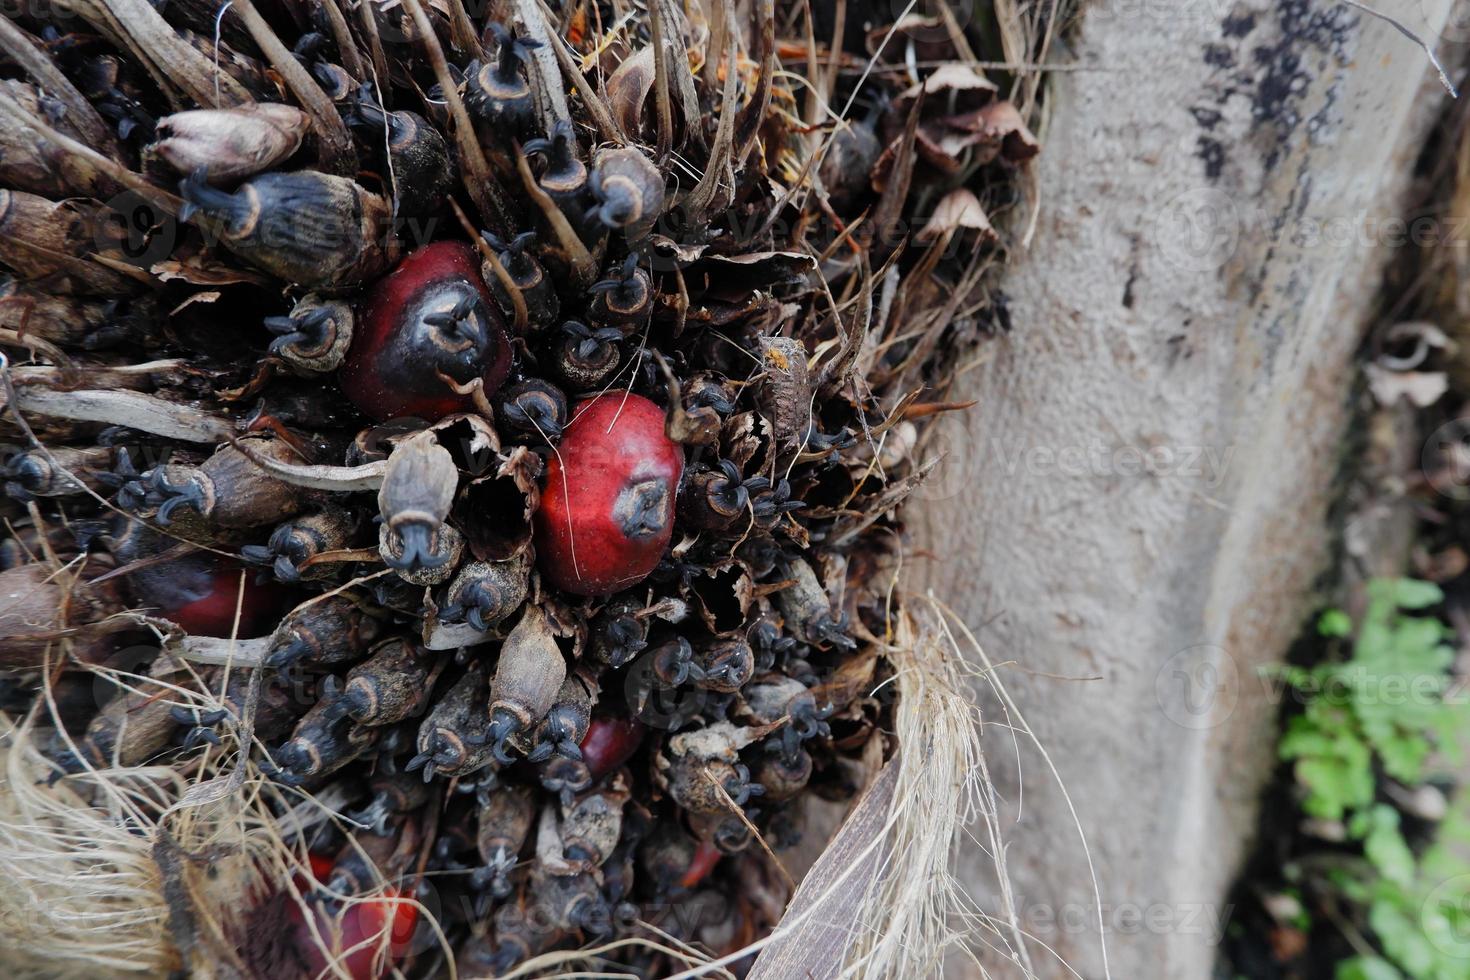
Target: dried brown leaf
{"type": "Point", "coordinates": [627, 91]}
{"type": "Point", "coordinates": [957, 210]}
{"type": "Point", "coordinates": [999, 125]}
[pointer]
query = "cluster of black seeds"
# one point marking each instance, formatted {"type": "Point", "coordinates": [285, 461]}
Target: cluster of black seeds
{"type": "Point", "coordinates": [498, 418]}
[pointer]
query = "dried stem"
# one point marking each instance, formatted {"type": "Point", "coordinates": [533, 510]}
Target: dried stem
{"type": "Point", "coordinates": [186, 76]}
{"type": "Point", "coordinates": [661, 83]}
{"type": "Point", "coordinates": [337, 153]}
{"type": "Point", "coordinates": [483, 189]}
{"type": "Point", "coordinates": [583, 266]}
{"type": "Point", "coordinates": [25, 51]}
{"type": "Point", "coordinates": [704, 192]}
{"type": "Point", "coordinates": [596, 105]}
{"type": "Point", "coordinates": [517, 298]}
{"type": "Point", "coordinates": [351, 59]}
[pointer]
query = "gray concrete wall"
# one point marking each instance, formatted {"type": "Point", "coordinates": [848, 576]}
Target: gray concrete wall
{"type": "Point", "coordinates": [1140, 492]}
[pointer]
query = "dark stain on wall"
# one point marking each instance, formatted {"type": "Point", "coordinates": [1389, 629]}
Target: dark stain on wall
{"type": "Point", "coordinates": [1311, 40]}
{"type": "Point", "coordinates": [1212, 152]}
{"type": "Point", "coordinates": [1272, 63]}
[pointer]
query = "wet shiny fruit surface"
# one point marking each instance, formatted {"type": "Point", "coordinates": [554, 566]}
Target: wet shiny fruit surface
{"type": "Point", "coordinates": [201, 595]}
{"type": "Point", "coordinates": [429, 322]}
{"type": "Point", "coordinates": [365, 938]}
{"type": "Point", "coordinates": [706, 856]}
{"type": "Point", "coordinates": [607, 512]}
{"type": "Point", "coordinates": [609, 743]}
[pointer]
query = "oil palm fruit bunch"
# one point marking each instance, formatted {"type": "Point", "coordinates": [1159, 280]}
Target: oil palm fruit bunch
{"type": "Point", "coordinates": [523, 396]}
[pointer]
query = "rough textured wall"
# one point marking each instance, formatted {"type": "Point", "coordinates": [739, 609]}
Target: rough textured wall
{"type": "Point", "coordinates": [1139, 496]}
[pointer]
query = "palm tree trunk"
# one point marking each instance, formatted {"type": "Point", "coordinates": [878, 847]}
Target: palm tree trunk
{"type": "Point", "coordinates": [1141, 492]}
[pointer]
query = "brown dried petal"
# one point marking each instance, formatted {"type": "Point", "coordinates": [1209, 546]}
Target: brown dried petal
{"type": "Point", "coordinates": [229, 143]}
{"type": "Point", "coordinates": [530, 670]}
{"type": "Point", "coordinates": [746, 441]}
{"type": "Point", "coordinates": [1000, 126]}
{"type": "Point", "coordinates": [470, 439]}
{"type": "Point", "coordinates": [952, 77]}
{"type": "Point", "coordinates": [419, 482]}
{"type": "Point", "coordinates": [628, 88]}
{"type": "Point", "coordinates": [724, 593]}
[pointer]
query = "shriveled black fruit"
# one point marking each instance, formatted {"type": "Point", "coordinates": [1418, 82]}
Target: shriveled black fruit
{"type": "Point", "coordinates": [316, 230]}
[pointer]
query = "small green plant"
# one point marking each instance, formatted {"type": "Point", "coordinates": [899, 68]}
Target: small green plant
{"type": "Point", "coordinates": [1381, 711]}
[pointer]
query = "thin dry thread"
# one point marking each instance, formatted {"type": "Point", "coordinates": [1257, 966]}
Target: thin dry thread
{"type": "Point", "coordinates": [566, 489]}
{"type": "Point", "coordinates": [219, 20]}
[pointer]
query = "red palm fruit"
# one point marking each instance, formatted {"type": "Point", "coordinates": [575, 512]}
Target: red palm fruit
{"type": "Point", "coordinates": [429, 319]}
{"type": "Point", "coordinates": [356, 940]}
{"type": "Point", "coordinates": [321, 865]}
{"type": "Point", "coordinates": [200, 594]}
{"type": "Point", "coordinates": [607, 513]}
{"type": "Point", "coordinates": [610, 741]}
{"type": "Point", "coordinates": [354, 934]}
{"type": "Point", "coordinates": [706, 856]}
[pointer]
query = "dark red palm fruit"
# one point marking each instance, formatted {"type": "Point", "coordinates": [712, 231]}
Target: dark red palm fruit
{"type": "Point", "coordinates": [431, 315]}
{"type": "Point", "coordinates": [200, 594]}
{"type": "Point", "coordinates": [610, 741]}
{"type": "Point", "coordinates": [607, 511]}
{"type": "Point", "coordinates": [359, 928]}
{"type": "Point", "coordinates": [321, 865]}
{"type": "Point", "coordinates": [706, 856]}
